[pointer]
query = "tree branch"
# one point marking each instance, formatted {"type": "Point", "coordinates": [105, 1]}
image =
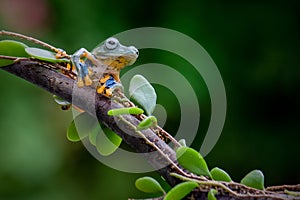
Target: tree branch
{"type": "Point", "coordinates": [43, 75]}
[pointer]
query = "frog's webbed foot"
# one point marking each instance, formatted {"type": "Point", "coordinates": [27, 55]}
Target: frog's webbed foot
{"type": "Point", "coordinates": [80, 82]}
{"type": "Point", "coordinates": [83, 78]}
{"type": "Point", "coordinates": [60, 53]}
{"type": "Point", "coordinates": [86, 81]}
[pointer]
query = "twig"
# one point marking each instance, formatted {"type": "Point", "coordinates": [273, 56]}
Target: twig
{"type": "Point", "coordinates": [36, 41]}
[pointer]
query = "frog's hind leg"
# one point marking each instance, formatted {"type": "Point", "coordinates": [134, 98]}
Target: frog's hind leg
{"type": "Point", "coordinates": [107, 85]}
{"type": "Point", "coordinates": [102, 87]}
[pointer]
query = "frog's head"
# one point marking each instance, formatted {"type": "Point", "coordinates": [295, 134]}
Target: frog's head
{"type": "Point", "coordinates": [115, 55]}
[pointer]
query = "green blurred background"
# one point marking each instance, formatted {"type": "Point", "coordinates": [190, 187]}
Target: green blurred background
{"type": "Point", "coordinates": [255, 45]}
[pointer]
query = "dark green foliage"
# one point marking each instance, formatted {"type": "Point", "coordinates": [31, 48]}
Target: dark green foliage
{"type": "Point", "coordinates": [11, 48]}
{"type": "Point", "coordinates": [254, 179]}
{"type": "Point", "coordinates": [180, 190]}
{"type": "Point", "coordinates": [192, 161]}
{"type": "Point", "coordinates": [149, 185]}
{"type": "Point", "coordinates": [219, 175]}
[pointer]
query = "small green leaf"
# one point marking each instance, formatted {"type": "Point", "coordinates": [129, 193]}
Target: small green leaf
{"type": "Point", "coordinates": [81, 126]}
{"type": "Point", "coordinates": [211, 194]}
{"type": "Point", "coordinates": [11, 48]}
{"type": "Point", "coordinates": [44, 55]}
{"type": "Point", "coordinates": [254, 179]}
{"type": "Point", "coordinates": [148, 122]}
{"type": "Point", "coordinates": [107, 142]}
{"type": "Point", "coordinates": [192, 161]}
{"type": "Point", "coordinates": [149, 185]}
{"type": "Point", "coordinates": [125, 111]}
{"type": "Point", "coordinates": [219, 175]}
{"type": "Point", "coordinates": [180, 190]}
{"type": "Point", "coordinates": [141, 91]}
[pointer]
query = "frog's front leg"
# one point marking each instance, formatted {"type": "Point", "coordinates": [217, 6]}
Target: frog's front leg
{"type": "Point", "coordinates": [83, 60]}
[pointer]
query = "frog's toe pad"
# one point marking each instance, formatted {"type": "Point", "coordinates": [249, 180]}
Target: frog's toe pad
{"type": "Point", "coordinates": [80, 83]}
{"type": "Point", "coordinates": [60, 54]}
{"type": "Point", "coordinates": [87, 81]}
{"type": "Point", "coordinates": [108, 92]}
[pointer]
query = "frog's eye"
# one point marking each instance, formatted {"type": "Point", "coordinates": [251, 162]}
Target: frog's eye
{"type": "Point", "coordinates": [111, 43]}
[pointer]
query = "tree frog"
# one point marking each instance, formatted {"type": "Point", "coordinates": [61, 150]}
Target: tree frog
{"type": "Point", "coordinates": [103, 63]}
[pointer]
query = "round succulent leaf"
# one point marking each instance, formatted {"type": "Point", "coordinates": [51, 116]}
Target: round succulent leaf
{"type": "Point", "coordinates": [142, 92]}
{"type": "Point", "coordinates": [220, 175]}
{"type": "Point", "coordinates": [148, 122]}
{"type": "Point", "coordinates": [11, 48]}
{"type": "Point", "coordinates": [254, 179]}
{"type": "Point", "coordinates": [180, 190]}
{"type": "Point", "coordinates": [72, 133]}
{"type": "Point", "coordinates": [107, 142]}
{"type": "Point", "coordinates": [44, 55]}
{"type": "Point", "coordinates": [81, 127]}
{"type": "Point", "coordinates": [149, 185]}
{"type": "Point", "coordinates": [191, 160]}
{"type": "Point", "coordinates": [211, 194]}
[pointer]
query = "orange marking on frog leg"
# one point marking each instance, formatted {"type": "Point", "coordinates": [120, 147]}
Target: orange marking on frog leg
{"type": "Point", "coordinates": [69, 66]}
{"type": "Point", "coordinates": [86, 54]}
{"type": "Point", "coordinates": [120, 66]}
{"type": "Point", "coordinates": [87, 80]}
{"type": "Point", "coordinates": [104, 79]}
{"type": "Point", "coordinates": [116, 76]}
{"type": "Point", "coordinates": [101, 89]}
{"type": "Point", "coordinates": [90, 72]}
{"type": "Point", "coordinates": [108, 92]}
{"type": "Point", "coordinates": [61, 54]}
{"type": "Point", "coordinates": [80, 82]}
{"type": "Point", "coordinates": [90, 57]}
